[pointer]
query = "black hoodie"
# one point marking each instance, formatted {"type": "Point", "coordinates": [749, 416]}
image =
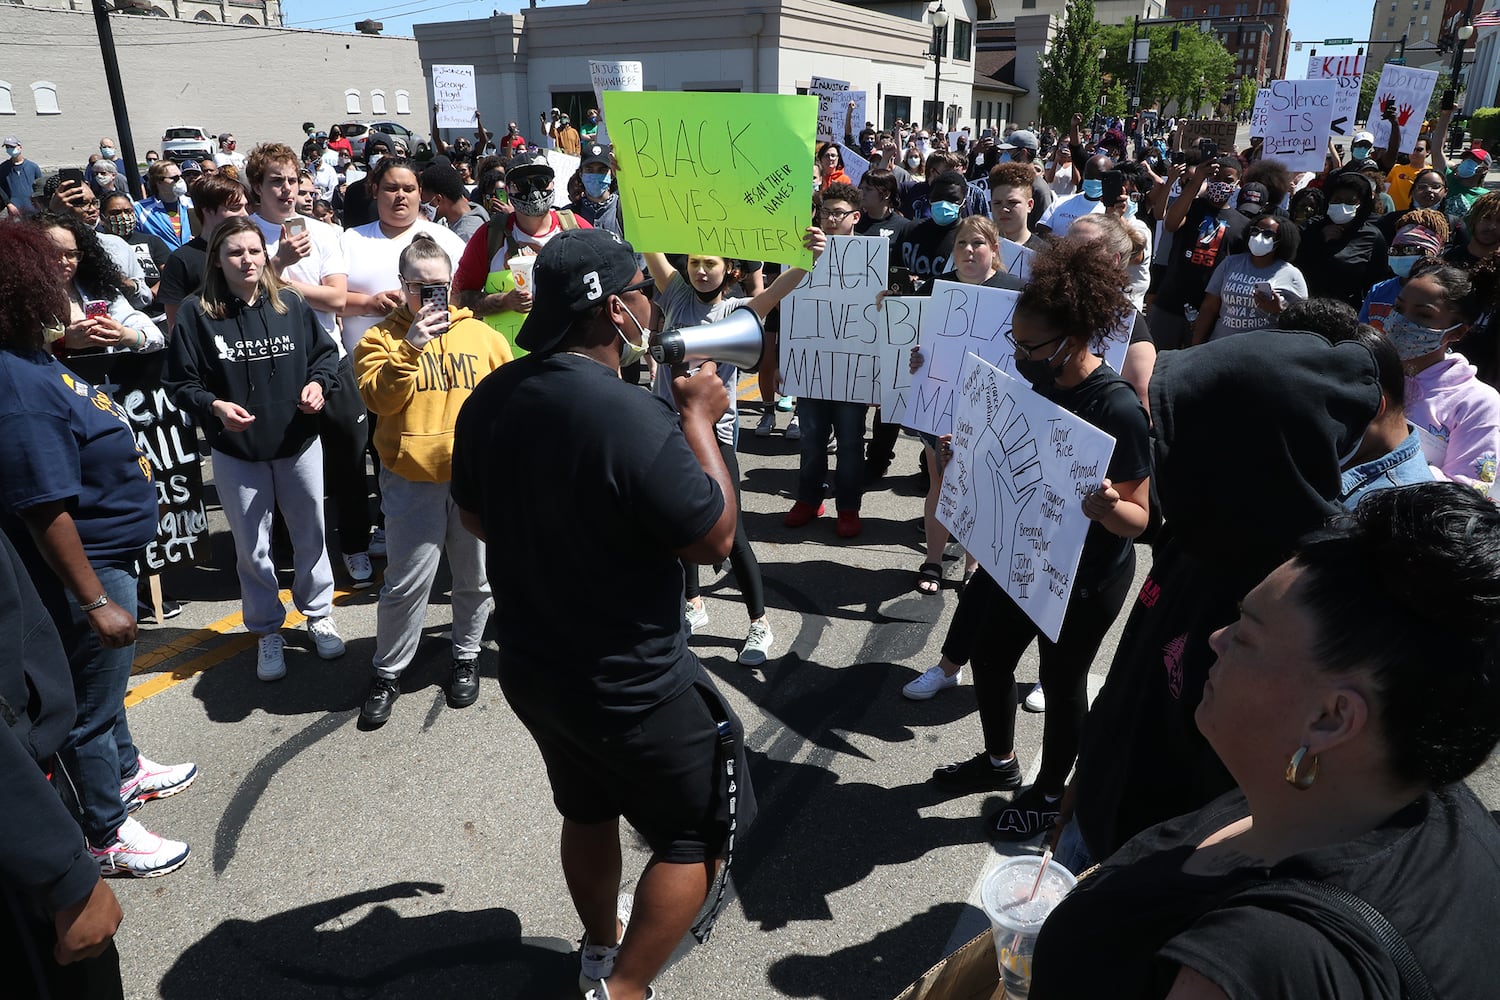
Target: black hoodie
{"type": "Point", "coordinates": [1249, 436]}
{"type": "Point", "coordinates": [258, 358]}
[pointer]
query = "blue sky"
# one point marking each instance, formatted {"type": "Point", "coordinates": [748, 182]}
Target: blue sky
{"type": "Point", "coordinates": [1309, 20]}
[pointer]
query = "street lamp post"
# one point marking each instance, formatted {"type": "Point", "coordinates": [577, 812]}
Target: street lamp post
{"type": "Point", "coordinates": [939, 18]}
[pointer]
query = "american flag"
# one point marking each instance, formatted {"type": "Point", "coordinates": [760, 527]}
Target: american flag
{"type": "Point", "coordinates": [1488, 19]}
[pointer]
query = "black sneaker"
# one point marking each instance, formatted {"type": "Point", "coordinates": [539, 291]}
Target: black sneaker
{"type": "Point", "coordinates": [463, 686]}
{"type": "Point", "coordinates": [977, 774]}
{"type": "Point", "coordinates": [1029, 815]}
{"type": "Point", "coordinates": [145, 614]}
{"type": "Point", "coordinates": [378, 703]}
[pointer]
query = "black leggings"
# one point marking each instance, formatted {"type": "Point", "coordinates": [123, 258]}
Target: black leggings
{"type": "Point", "coordinates": [342, 429]}
{"type": "Point", "coordinates": [1003, 637]}
{"type": "Point", "coordinates": [973, 603]}
{"type": "Point", "coordinates": [741, 557]}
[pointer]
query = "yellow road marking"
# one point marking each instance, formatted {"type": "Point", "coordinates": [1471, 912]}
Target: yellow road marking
{"type": "Point", "coordinates": [221, 652]}
{"type": "Point", "coordinates": [748, 387]}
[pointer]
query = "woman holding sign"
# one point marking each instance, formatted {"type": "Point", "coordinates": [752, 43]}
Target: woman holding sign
{"type": "Point", "coordinates": [1068, 308]}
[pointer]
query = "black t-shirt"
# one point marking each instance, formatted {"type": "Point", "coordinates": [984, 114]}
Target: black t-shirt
{"type": "Point", "coordinates": [183, 274]}
{"type": "Point", "coordinates": [1459, 256]}
{"type": "Point", "coordinates": [1432, 870]}
{"type": "Point", "coordinates": [359, 205]}
{"type": "Point", "coordinates": [1345, 267]}
{"type": "Point", "coordinates": [1208, 235]}
{"type": "Point", "coordinates": [151, 252]}
{"type": "Point", "coordinates": [586, 486]}
{"type": "Point", "coordinates": [1109, 402]}
{"type": "Point", "coordinates": [924, 248]}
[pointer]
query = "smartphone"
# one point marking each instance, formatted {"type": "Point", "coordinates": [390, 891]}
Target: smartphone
{"type": "Point", "coordinates": [1264, 288]}
{"type": "Point", "coordinates": [1179, 157]}
{"type": "Point", "coordinates": [1450, 101]}
{"type": "Point", "coordinates": [95, 307]}
{"type": "Point", "coordinates": [73, 174]}
{"type": "Point", "coordinates": [1209, 149]}
{"type": "Point", "coordinates": [435, 295]}
{"type": "Point", "coordinates": [900, 283]}
{"type": "Point", "coordinates": [1114, 186]}
{"type": "Point", "coordinates": [296, 226]}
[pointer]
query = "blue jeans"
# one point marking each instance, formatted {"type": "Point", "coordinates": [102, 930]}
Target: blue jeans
{"type": "Point", "coordinates": [1072, 853]}
{"type": "Point", "coordinates": [846, 422]}
{"type": "Point", "coordinates": [99, 752]}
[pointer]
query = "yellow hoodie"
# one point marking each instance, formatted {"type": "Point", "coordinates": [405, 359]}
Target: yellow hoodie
{"type": "Point", "coordinates": [417, 394]}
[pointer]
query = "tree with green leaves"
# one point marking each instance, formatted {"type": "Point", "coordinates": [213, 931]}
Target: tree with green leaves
{"type": "Point", "coordinates": [1071, 78]}
{"type": "Point", "coordinates": [1199, 64]}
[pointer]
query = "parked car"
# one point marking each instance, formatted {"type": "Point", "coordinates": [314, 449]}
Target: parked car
{"type": "Point", "coordinates": [359, 132]}
{"type": "Point", "coordinates": [186, 142]}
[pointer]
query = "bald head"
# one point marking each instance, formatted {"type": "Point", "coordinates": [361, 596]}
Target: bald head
{"type": "Point", "coordinates": [1096, 166]}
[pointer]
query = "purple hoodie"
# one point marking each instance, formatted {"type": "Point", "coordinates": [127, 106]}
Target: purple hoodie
{"type": "Point", "coordinates": [1458, 418]}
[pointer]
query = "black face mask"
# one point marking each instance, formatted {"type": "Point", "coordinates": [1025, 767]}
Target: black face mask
{"type": "Point", "coordinates": [1041, 374]}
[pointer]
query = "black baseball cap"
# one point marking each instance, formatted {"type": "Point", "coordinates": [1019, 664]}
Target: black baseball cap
{"type": "Point", "coordinates": [1253, 198]}
{"type": "Point", "coordinates": [526, 165]}
{"type": "Point", "coordinates": [576, 271]}
{"type": "Point", "coordinates": [595, 153]}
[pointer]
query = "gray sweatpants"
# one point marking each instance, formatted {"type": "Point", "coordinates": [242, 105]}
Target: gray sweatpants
{"type": "Point", "coordinates": [421, 522]}
{"type": "Point", "coordinates": [250, 492]}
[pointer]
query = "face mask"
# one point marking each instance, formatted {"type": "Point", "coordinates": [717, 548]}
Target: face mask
{"type": "Point", "coordinates": [179, 188]}
{"type": "Point", "coordinates": [1411, 339]}
{"type": "Point", "coordinates": [13, 150]}
{"type": "Point", "coordinates": [1093, 188]}
{"type": "Point", "coordinates": [1402, 265]}
{"type": "Point", "coordinates": [597, 185]}
{"type": "Point", "coordinates": [1262, 244]}
{"type": "Point", "coordinates": [1131, 207]}
{"type": "Point", "coordinates": [1466, 169]}
{"type": "Point", "coordinates": [1042, 374]}
{"type": "Point", "coordinates": [1359, 153]}
{"type": "Point", "coordinates": [1218, 192]}
{"type": "Point", "coordinates": [429, 212]}
{"type": "Point", "coordinates": [536, 203]}
{"type": "Point", "coordinates": [1340, 213]}
{"type": "Point", "coordinates": [374, 160]}
{"type": "Point", "coordinates": [121, 225]}
{"type": "Point", "coordinates": [1005, 156]}
{"type": "Point", "coordinates": [914, 162]}
{"type": "Point", "coordinates": [632, 352]}
{"type": "Point", "coordinates": [107, 152]}
{"type": "Point", "coordinates": [944, 213]}
{"type": "Point", "coordinates": [52, 334]}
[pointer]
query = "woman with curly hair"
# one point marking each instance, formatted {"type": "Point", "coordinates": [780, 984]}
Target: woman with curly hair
{"type": "Point", "coordinates": [1071, 303]}
{"type": "Point", "coordinates": [80, 507]}
{"type": "Point", "coordinates": [99, 312]}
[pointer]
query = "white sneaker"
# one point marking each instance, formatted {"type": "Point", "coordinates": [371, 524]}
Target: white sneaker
{"type": "Point", "coordinates": [931, 682]}
{"type": "Point", "coordinates": [325, 637]}
{"type": "Point", "coordinates": [696, 615]}
{"type": "Point", "coordinates": [377, 544]}
{"type": "Point", "coordinates": [155, 781]}
{"type": "Point", "coordinates": [767, 424]}
{"type": "Point", "coordinates": [597, 961]}
{"type": "Point", "coordinates": [1036, 701]}
{"type": "Point", "coordinates": [270, 664]}
{"type": "Point", "coordinates": [794, 429]}
{"type": "Point", "coordinates": [137, 852]}
{"type": "Point", "coordinates": [361, 573]}
{"type": "Point", "coordinates": [757, 643]}
{"type": "Point", "coordinates": [601, 992]}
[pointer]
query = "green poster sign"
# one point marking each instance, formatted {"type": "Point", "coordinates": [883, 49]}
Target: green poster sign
{"type": "Point", "coordinates": [722, 174]}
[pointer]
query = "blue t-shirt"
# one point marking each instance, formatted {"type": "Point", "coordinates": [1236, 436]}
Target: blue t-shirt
{"type": "Point", "coordinates": [19, 180]}
{"type": "Point", "coordinates": [63, 439]}
{"type": "Point", "coordinates": [1379, 303]}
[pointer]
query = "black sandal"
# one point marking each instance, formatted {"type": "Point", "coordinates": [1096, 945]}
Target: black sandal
{"type": "Point", "coordinates": [930, 573]}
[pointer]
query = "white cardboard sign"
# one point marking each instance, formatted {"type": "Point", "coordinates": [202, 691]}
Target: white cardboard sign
{"type": "Point", "coordinates": [1012, 494]}
{"type": "Point", "coordinates": [1299, 120]}
{"type": "Point", "coordinates": [833, 101]}
{"type": "Point", "coordinates": [1410, 90]}
{"type": "Point", "coordinates": [960, 320]}
{"type": "Point", "coordinates": [1258, 113]}
{"type": "Point", "coordinates": [1349, 72]}
{"type": "Point", "coordinates": [834, 343]}
{"type": "Point", "coordinates": [454, 94]}
{"type": "Point", "coordinates": [608, 75]}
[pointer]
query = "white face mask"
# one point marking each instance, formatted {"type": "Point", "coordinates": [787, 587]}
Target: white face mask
{"type": "Point", "coordinates": [1262, 244]}
{"type": "Point", "coordinates": [179, 188]}
{"type": "Point", "coordinates": [1339, 213]}
{"type": "Point", "coordinates": [632, 352]}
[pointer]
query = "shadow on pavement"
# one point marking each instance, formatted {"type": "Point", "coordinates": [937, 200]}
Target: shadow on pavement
{"type": "Point", "coordinates": [311, 951]}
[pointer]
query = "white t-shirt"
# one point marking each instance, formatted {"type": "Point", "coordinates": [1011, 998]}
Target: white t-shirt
{"type": "Point", "coordinates": [1060, 214]}
{"type": "Point", "coordinates": [235, 159]}
{"type": "Point", "coordinates": [327, 180]}
{"type": "Point", "coordinates": [1140, 274]}
{"type": "Point", "coordinates": [374, 261]}
{"type": "Point", "coordinates": [326, 257]}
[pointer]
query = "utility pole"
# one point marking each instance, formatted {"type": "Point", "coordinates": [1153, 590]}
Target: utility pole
{"type": "Point", "coordinates": [116, 94]}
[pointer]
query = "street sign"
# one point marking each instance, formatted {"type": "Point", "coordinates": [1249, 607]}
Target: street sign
{"type": "Point", "coordinates": [1338, 41]}
{"type": "Point", "coordinates": [1398, 61]}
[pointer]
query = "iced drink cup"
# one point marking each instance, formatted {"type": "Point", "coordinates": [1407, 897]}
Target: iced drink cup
{"type": "Point", "coordinates": [520, 269]}
{"type": "Point", "coordinates": [1014, 921]}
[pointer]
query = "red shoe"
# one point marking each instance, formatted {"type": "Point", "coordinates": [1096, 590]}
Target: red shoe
{"type": "Point", "coordinates": [801, 513]}
{"type": "Point", "coordinates": [848, 526]}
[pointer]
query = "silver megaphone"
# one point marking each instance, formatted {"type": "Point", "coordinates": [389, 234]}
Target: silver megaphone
{"type": "Point", "coordinates": [738, 339]}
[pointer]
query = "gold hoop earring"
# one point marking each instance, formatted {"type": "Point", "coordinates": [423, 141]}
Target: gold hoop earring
{"type": "Point", "coordinates": [1301, 782]}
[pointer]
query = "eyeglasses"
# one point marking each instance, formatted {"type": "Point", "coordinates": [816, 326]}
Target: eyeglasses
{"type": "Point", "coordinates": [1027, 350]}
{"type": "Point", "coordinates": [70, 255]}
{"type": "Point", "coordinates": [834, 215]}
{"type": "Point", "coordinates": [170, 178]}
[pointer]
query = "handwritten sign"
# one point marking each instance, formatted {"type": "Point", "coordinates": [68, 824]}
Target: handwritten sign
{"type": "Point", "coordinates": [609, 75]}
{"type": "Point", "coordinates": [1016, 258]}
{"type": "Point", "coordinates": [1349, 71]}
{"type": "Point", "coordinates": [165, 435]}
{"type": "Point", "coordinates": [960, 320]}
{"type": "Point", "coordinates": [1410, 91]}
{"type": "Point", "coordinates": [833, 102]}
{"type": "Point", "coordinates": [564, 166]}
{"type": "Point", "coordinates": [1013, 493]}
{"type": "Point", "coordinates": [722, 174]}
{"type": "Point", "coordinates": [855, 165]}
{"type": "Point", "coordinates": [1299, 119]}
{"type": "Point", "coordinates": [900, 322]}
{"type": "Point", "coordinates": [1221, 133]}
{"type": "Point", "coordinates": [453, 93]}
{"type": "Point", "coordinates": [1258, 113]}
{"type": "Point", "coordinates": [833, 340]}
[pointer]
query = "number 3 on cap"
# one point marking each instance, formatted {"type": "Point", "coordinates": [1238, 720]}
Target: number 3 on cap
{"type": "Point", "coordinates": [591, 282]}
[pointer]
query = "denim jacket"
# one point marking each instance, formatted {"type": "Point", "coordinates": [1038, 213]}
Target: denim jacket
{"type": "Point", "coordinates": [1401, 467]}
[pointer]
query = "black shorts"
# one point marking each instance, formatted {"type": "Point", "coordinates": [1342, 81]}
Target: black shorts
{"type": "Point", "coordinates": [664, 774]}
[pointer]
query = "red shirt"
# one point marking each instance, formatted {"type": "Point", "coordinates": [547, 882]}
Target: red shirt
{"type": "Point", "coordinates": [476, 265]}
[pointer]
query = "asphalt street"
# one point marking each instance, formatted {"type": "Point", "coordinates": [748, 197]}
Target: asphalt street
{"type": "Point", "coordinates": [420, 860]}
